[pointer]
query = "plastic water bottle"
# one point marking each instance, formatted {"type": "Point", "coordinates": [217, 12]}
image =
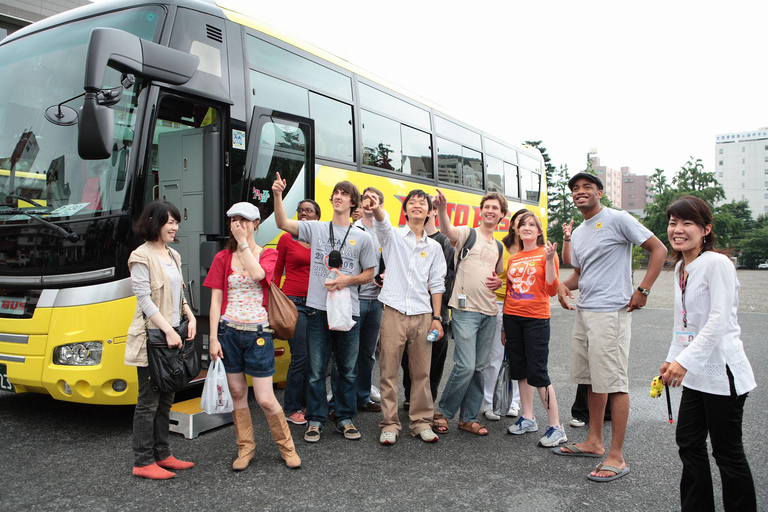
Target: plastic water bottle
{"type": "Point", "coordinates": [432, 336]}
{"type": "Point", "coordinates": [331, 276]}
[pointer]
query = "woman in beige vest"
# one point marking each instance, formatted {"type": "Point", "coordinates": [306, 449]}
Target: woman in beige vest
{"type": "Point", "coordinates": [156, 279]}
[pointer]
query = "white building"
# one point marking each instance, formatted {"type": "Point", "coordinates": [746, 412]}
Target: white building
{"type": "Point", "coordinates": [741, 167]}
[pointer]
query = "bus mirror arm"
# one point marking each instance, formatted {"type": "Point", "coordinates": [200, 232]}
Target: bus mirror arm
{"type": "Point", "coordinates": [130, 55]}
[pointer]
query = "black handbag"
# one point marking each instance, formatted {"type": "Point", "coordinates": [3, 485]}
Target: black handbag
{"type": "Point", "coordinates": [171, 369]}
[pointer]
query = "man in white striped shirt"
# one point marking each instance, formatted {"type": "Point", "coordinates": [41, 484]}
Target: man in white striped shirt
{"type": "Point", "coordinates": [412, 297]}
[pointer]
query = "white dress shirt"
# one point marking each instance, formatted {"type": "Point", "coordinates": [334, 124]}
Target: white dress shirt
{"type": "Point", "coordinates": [415, 269]}
{"type": "Point", "coordinates": [711, 302]}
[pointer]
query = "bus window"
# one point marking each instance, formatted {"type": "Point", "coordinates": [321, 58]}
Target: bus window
{"type": "Point", "coordinates": [495, 174]}
{"type": "Point", "coordinates": [381, 142]}
{"type": "Point", "coordinates": [530, 185]}
{"type": "Point", "coordinates": [449, 161]}
{"type": "Point", "coordinates": [417, 152]}
{"type": "Point", "coordinates": [278, 95]}
{"type": "Point", "coordinates": [511, 186]}
{"type": "Point", "coordinates": [333, 128]}
{"type": "Point", "coordinates": [472, 171]}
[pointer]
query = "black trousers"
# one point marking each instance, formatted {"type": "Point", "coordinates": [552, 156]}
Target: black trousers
{"type": "Point", "coordinates": [439, 353]}
{"type": "Point", "coordinates": [720, 417]}
{"type": "Point", "coordinates": [151, 422]}
{"type": "Point", "coordinates": [580, 407]}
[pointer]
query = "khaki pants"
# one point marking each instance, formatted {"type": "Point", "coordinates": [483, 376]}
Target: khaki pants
{"type": "Point", "coordinates": [397, 331]}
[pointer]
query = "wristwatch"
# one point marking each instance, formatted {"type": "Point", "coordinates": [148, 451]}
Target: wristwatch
{"type": "Point", "coordinates": [643, 291]}
{"type": "Point", "coordinates": [438, 318]}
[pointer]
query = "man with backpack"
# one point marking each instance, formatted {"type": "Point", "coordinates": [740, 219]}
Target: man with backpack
{"type": "Point", "coordinates": [478, 264]}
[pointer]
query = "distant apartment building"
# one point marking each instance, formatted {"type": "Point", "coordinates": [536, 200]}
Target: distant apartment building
{"type": "Point", "coordinates": [741, 167]}
{"type": "Point", "coordinates": [611, 179]}
{"type": "Point", "coordinates": [636, 192]}
{"type": "Point", "coordinates": [17, 14]}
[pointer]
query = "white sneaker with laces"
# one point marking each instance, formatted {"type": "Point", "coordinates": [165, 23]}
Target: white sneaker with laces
{"type": "Point", "coordinates": [428, 436]}
{"type": "Point", "coordinates": [514, 410]}
{"type": "Point", "coordinates": [388, 438]}
{"type": "Point", "coordinates": [375, 394]}
{"type": "Point", "coordinates": [489, 414]}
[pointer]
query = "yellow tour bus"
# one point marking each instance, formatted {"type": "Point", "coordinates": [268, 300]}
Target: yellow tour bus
{"type": "Point", "coordinates": [109, 106]}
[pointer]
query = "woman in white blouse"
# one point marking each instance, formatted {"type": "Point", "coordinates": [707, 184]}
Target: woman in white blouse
{"type": "Point", "coordinates": [707, 358]}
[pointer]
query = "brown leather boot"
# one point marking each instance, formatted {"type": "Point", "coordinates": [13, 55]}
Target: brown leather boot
{"type": "Point", "coordinates": [246, 446]}
{"type": "Point", "coordinates": [281, 434]}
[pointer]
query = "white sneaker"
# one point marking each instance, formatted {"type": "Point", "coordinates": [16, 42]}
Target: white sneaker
{"type": "Point", "coordinates": [375, 394]}
{"type": "Point", "coordinates": [388, 438]}
{"type": "Point", "coordinates": [428, 436]}
{"type": "Point", "coordinates": [577, 423]}
{"type": "Point", "coordinates": [489, 414]}
{"type": "Point", "coordinates": [514, 410]}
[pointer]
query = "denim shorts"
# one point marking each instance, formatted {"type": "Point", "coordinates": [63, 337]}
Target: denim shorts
{"type": "Point", "coordinates": [247, 351]}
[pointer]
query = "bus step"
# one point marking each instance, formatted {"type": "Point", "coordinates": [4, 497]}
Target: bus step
{"type": "Point", "coordinates": [189, 419]}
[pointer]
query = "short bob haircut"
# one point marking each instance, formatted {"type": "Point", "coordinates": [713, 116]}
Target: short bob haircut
{"type": "Point", "coordinates": [539, 239]}
{"type": "Point", "coordinates": [351, 190]}
{"type": "Point", "coordinates": [417, 193]}
{"type": "Point", "coordinates": [154, 217]}
{"type": "Point", "coordinates": [696, 210]}
{"type": "Point", "coordinates": [314, 205]}
{"type": "Point", "coordinates": [511, 237]}
{"type": "Point", "coordinates": [500, 198]}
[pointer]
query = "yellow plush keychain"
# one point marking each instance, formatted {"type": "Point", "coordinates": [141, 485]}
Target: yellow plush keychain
{"type": "Point", "coordinates": [657, 387]}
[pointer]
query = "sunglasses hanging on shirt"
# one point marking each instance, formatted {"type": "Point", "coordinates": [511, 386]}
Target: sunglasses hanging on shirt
{"type": "Point", "coordinates": [334, 257]}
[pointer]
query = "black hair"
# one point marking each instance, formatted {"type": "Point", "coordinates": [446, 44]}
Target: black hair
{"type": "Point", "coordinates": [314, 205]}
{"type": "Point", "coordinates": [696, 210]}
{"type": "Point", "coordinates": [417, 193]}
{"type": "Point", "coordinates": [154, 217]}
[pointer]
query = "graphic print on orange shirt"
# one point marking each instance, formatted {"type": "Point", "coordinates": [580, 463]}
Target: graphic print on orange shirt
{"type": "Point", "coordinates": [522, 277]}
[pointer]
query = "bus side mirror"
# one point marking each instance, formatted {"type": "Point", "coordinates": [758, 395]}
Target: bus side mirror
{"type": "Point", "coordinates": [109, 47]}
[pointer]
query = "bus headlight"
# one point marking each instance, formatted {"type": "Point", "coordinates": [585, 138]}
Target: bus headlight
{"type": "Point", "coordinates": [78, 354]}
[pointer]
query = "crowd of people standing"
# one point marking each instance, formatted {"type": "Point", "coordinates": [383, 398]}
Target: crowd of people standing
{"type": "Point", "coordinates": [496, 305]}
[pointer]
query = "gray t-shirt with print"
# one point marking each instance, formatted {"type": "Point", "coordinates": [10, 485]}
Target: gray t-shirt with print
{"type": "Point", "coordinates": [371, 290]}
{"type": "Point", "coordinates": [601, 248]}
{"type": "Point", "coordinates": [356, 255]}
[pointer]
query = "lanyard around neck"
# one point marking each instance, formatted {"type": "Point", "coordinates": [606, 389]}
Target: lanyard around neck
{"type": "Point", "coordinates": [333, 241]}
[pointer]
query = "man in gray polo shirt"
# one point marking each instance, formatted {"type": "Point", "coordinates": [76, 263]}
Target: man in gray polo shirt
{"type": "Point", "coordinates": [601, 252]}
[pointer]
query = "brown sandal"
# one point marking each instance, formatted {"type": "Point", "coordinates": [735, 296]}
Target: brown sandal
{"type": "Point", "coordinates": [439, 423]}
{"type": "Point", "coordinates": [474, 428]}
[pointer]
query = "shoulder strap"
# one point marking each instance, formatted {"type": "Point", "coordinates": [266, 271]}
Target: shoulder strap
{"type": "Point", "coordinates": [501, 251]}
{"type": "Point", "coordinates": [468, 244]}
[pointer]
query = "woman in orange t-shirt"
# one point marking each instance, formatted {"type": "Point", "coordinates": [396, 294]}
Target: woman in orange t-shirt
{"type": "Point", "coordinates": [531, 280]}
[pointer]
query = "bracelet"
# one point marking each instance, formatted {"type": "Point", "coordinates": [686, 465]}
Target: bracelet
{"type": "Point", "coordinates": [244, 246]}
{"type": "Point", "coordinates": [566, 239]}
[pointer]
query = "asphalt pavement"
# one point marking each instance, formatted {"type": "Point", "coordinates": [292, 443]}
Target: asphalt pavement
{"type": "Point", "coordinates": [58, 456]}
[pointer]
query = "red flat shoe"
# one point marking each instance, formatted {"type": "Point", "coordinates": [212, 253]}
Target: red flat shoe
{"type": "Point", "coordinates": [174, 463]}
{"type": "Point", "coordinates": [152, 472]}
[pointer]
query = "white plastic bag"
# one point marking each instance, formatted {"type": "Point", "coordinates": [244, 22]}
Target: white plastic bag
{"type": "Point", "coordinates": [216, 398]}
{"type": "Point", "coordinates": [339, 308]}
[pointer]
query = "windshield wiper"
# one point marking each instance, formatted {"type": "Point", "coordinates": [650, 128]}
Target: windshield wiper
{"type": "Point", "coordinates": [64, 233]}
{"type": "Point", "coordinates": [27, 199]}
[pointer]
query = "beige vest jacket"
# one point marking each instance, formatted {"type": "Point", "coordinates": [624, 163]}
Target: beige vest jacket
{"type": "Point", "coordinates": [160, 283]}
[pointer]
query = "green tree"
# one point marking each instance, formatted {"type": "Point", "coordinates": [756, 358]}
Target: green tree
{"type": "Point", "coordinates": [549, 169]}
{"type": "Point", "coordinates": [693, 179]}
{"type": "Point", "coordinates": [732, 222]}
{"type": "Point", "coordinates": [658, 181]}
{"type": "Point", "coordinates": [753, 249]}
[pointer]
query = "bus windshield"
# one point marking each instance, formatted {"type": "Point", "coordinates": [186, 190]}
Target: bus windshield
{"type": "Point", "coordinates": [39, 165]}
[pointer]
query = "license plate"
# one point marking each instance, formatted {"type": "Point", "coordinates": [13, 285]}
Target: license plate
{"type": "Point", "coordinates": [12, 305]}
{"type": "Point", "coordinates": [5, 384]}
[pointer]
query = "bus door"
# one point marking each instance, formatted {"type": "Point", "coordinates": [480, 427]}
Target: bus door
{"type": "Point", "coordinates": [279, 143]}
{"type": "Point", "coordinates": [187, 171]}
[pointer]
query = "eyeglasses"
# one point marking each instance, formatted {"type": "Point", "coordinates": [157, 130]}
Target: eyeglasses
{"type": "Point", "coordinates": [305, 210]}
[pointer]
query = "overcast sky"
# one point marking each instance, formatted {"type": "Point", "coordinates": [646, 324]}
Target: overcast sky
{"type": "Point", "coordinates": [648, 84]}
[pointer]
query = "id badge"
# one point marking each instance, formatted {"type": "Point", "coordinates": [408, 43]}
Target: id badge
{"type": "Point", "coordinates": [683, 338]}
{"type": "Point", "coordinates": [462, 301]}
